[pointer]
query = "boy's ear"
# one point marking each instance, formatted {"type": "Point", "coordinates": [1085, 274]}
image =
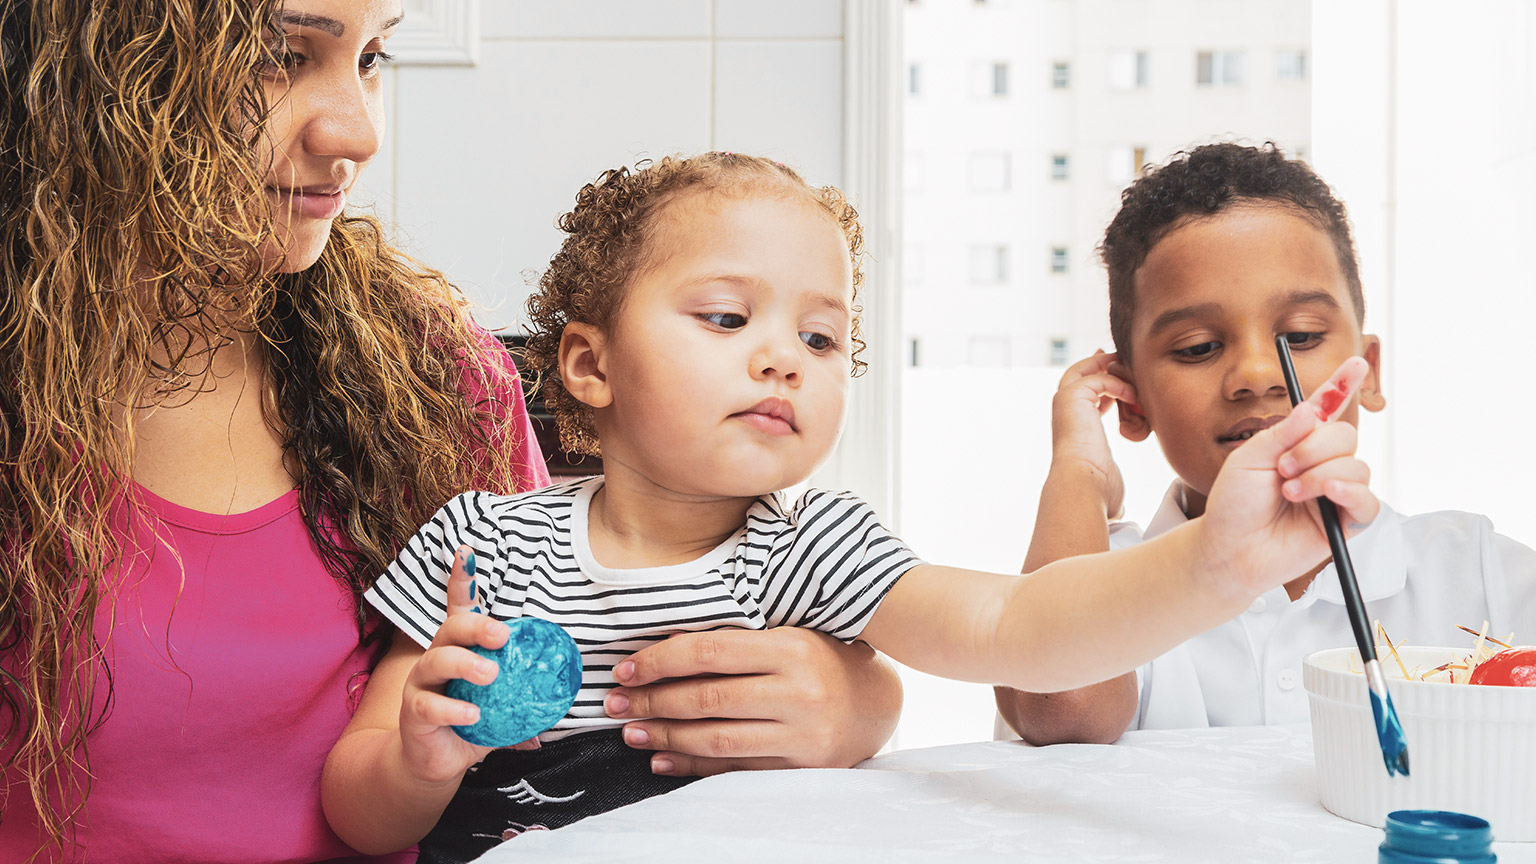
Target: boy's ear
{"type": "Point", "coordinates": [582, 366]}
{"type": "Point", "coordinates": [1371, 396]}
{"type": "Point", "coordinates": [1133, 423]}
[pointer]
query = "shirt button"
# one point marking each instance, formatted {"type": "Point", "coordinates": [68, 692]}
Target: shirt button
{"type": "Point", "coordinates": [1258, 605]}
{"type": "Point", "coordinates": [1287, 679]}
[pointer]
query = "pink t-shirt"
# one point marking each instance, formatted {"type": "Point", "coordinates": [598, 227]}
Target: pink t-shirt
{"type": "Point", "coordinates": [231, 661]}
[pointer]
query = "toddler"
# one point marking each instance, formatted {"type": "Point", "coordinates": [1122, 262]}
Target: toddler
{"type": "Point", "coordinates": [699, 329]}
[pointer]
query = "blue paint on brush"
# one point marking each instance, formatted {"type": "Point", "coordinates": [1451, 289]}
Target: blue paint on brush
{"type": "Point", "coordinates": [1394, 746]}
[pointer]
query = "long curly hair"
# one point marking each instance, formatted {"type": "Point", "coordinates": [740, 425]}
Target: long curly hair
{"type": "Point", "coordinates": [132, 216]}
{"type": "Point", "coordinates": [609, 234]}
{"type": "Point", "coordinates": [1203, 182]}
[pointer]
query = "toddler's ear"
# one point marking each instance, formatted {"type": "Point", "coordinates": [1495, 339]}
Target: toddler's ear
{"type": "Point", "coordinates": [1371, 396]}
{"type": "Point", "coordinates": [582, 369]}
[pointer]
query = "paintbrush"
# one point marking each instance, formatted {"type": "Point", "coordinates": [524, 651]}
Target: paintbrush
{"type": "Point", "coordinates": [1394, 747]}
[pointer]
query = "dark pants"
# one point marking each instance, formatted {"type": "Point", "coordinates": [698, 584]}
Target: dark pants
{"type": "Point", "coordinates": [513, 791]}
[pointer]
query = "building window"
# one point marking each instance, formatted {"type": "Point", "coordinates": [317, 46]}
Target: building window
{"type": "Point", "coordinates": [1126, 163]}
{"type": "Point", "coordinates": [989, 351]}
{"type": "Point", "coordinates": [1060, 167]}
{"type": "Point", "coordinates": [989, 264]}
{"type": "Point", "coordinates": [1058, 352]}
{"type": "Point", "coordinates": [1058, 259]}
{"type": "Point", "coordinates": [1291, 65]}
{"type": "Point", "coordinates": [1127, 70]}
{"type": "Point", "coordinates": [1061, 76]}
{"type": "Point", "coordinates": [1219, 67]}
{"type": "Point", "coordinates": [990, 172]}
{"type": "Point", "coordinates": [989, 80]}
{"type": "Point", "coordinates": [912, 351]}
{"type": "Point", "coordinates": [999, 79]}
{"type": "Point", "coordinates": [914, 79]}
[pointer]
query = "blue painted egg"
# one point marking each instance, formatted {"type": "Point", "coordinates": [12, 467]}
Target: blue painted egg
{"type": "Point", "coordinates": [539, 678]}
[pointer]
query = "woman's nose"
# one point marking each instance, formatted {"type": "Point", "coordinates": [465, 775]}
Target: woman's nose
{"type": "Point", "coordinates": [346, 120]}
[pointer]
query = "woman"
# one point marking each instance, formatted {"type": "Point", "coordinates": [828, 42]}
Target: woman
{"type": "Point", "coordinates": [225, 406]}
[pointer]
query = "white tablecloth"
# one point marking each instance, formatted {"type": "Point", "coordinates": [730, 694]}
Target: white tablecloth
{"type": "Point", "coordinates": [1235, 794]}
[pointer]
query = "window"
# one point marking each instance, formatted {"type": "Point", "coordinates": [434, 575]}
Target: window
{"type": "Point", "coordinates": [1058, 352]}
{"type": "Point", "coordinates": [1060, 169]}
{"type": "Point", "coordinates": [989, 264]}
{"type": "Point", "coordinates": [914, 79]}
{"type": "Point", "coordinates": [1126, 162]}
{"type": "Point", "coordinates": [912, 351]}
{"type": "Point", "coordinates": [999, 79]}
{"type": "Point", "coordinates": [1058, 259]}
{"type": "Point", "coordinates": [1219, 67]}
{"type": "Point", "coordinates": [1291, 65]}
{"type": "Point", "coordinates": [989, 351]}
{"type": "Point", "coordinates": [1127, 69]}
{"type": "Point", "coordinates": [989, 80]}
{"type": "Point", "coordinates": [989, 172]}
{"type": "Point", "coordinates": [1061, 76]}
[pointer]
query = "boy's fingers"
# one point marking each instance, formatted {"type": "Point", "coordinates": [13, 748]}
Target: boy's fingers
{"type": "Point", "coordinates": [1326, 443]}
{"type": "Point", "coordinates": [1317, 482]}
{"type": "Point", "coordinates": [1105, 384]}
{"type": "Point", "coordinates": [461, 582]}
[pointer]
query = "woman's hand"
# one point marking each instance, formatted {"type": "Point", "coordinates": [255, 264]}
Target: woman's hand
{"type": "Point", "coordinates": [1089, 388]}
{"type": "Point", "coordinates": [725, 700]}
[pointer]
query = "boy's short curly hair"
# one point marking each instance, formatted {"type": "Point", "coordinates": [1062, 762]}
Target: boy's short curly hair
{"type": "Point", "coordinates": [1203, 182]}
{"type": "Point", "coordinates": [609, 240]}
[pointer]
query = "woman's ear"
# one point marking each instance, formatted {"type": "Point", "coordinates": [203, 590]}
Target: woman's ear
{"type": "Point", "coordinates": [1371, 396]}
{"type": "Point", "coordinates": [582, 366]}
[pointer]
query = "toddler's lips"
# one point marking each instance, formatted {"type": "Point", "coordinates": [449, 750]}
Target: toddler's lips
{"type": "Point", "coordinates": [773, 415]}
{"type": "Point", "coordinates": [1248, 428]}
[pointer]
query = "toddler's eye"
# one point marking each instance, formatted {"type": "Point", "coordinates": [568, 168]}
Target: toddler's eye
{"type": "Point", "coordinates": [818, 341]}
{"type": "Point", "coordinates": [1195, 352]}
{"type": "Point", "coordinates": [724, 320]}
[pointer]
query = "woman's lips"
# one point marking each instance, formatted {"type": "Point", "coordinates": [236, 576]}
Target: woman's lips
{"type": "Point", "coordinates": [314, 203]}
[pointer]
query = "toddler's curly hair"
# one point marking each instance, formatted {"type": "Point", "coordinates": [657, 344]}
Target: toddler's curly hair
{"type": "Point", "coordinates": [609, 240]}
{"type": "Point", "coordinates": [1203, 182]}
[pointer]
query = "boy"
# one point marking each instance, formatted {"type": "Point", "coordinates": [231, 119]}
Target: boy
{"type": "Point", "coordinates": [1210, 257]}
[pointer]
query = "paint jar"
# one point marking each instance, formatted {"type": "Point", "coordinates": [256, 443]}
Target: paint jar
{"type": "Point", "coordinates": [1436, 837]}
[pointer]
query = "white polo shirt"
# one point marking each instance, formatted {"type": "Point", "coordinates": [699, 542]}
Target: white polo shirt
{"type": "Point", "coordinates": [1420, 576]}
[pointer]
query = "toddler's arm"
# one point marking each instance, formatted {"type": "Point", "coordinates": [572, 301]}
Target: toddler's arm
{"type": "Point", "coordinates": [397, 764]}
{"type": "Point", "coordinates": [1081, 493]}
{"type": "Point", "coordinates": [1085, 619]}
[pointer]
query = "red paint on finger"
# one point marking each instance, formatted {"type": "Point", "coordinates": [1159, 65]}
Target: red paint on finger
{"type": "Point", "coordinates": [1330, 400]}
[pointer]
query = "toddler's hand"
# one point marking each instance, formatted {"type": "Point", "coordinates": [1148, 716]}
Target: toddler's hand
{"type": "Point", "coordinates": [1262, 526]}
{"type": "Point", "coordinates": [433, 752]}
{"type": "Point", "coordinates": [1087, 390]}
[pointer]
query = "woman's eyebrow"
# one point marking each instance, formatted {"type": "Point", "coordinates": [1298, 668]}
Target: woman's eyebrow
{"type": "Point", "coordinates": [327, 25]}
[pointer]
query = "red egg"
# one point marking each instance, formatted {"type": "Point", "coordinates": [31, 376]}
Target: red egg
{"type": "Point", "coordinates": [1514, 667]}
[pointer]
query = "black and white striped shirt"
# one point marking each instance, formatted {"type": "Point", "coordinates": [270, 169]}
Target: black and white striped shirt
{"type": "Point", "coordinates": [826, 563]}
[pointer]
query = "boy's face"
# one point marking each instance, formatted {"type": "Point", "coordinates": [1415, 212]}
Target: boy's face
{"type": "Point", "coordinates": [1210, 299]}
{"type": "Point", "coordinates": [728, 364]}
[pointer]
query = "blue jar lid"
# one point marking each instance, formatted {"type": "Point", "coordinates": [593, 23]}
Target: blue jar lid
{"type": "Point", "coordinates": [1436, 837]}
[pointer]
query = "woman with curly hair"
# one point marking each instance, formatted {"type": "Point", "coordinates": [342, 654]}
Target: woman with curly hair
{"type": "Point", "coordinates": [224, 404]}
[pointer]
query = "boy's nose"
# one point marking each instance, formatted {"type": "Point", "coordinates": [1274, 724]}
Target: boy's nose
{"type": "Point", "coordinates": [1256, 372]}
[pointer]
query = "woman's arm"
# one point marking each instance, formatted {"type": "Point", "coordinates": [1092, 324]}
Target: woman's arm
{"type": "Point", "coordinates": [742, 699]}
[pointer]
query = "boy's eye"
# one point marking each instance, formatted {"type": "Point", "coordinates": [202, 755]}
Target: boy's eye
{"type": "Point", "coordinates": [1195, 352]}
{"type": "Point", "coordinates": [724, 320]}
{"type": "Point", "coordinates": [818, 341]}
{"type": "Point", "coordinates": [1303, 340]}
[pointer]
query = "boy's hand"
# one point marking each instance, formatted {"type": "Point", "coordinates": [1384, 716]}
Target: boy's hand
{"type": "Point", "coordinates": [1261, 522]}
{"type": "Point", "coordinates": [433, 752]}
{"type": "Point", "coordinates": [1087, 390]}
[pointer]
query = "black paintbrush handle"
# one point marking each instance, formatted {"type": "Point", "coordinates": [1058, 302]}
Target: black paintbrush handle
{"type": "Point", "coordinates": [1354, 604]}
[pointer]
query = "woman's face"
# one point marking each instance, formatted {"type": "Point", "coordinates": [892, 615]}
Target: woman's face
{"type": "Point", "coordinates": [327, 121]}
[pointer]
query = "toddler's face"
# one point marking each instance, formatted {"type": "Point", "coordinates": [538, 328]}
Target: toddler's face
{"type": "Point", "coordinates": [728, 362]}
{"type": "Point", "coordinates": [1210, 299]}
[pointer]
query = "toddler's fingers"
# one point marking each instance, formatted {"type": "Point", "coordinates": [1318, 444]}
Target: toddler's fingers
{"type": "Point", "coordinates": [471, 628]}
{"type": "Point", "coordinates": [438, 666]}
{"type": "Point", "coordinates": [461, 582]}
{"type": "Point", "coordinates": [425, 708]}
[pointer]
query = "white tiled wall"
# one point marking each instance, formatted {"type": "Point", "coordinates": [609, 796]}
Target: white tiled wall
{"type": "Point", "coordinates": [481, 159]}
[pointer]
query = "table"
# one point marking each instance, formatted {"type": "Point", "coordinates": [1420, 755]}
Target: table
{"type": "Point", "coordinates": [1231, 794]}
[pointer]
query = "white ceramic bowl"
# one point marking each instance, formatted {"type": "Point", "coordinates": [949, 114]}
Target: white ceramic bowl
{"type": "Point", "coordinates": [1471, 748]}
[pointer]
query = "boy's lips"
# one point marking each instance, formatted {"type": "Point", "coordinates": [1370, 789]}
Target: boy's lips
{"type": "Point", "coordinates": [774, 414]}
{"type": "Point", "coordinates": [1247, 428]}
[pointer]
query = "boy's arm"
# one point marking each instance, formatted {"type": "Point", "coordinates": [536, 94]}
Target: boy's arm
{"type": "Point", "coordinates": [1082, 492]}
{"type": "Point", "coordinates": [1083, 620]}
{"type": "Point", "coordinates": [398, 762]}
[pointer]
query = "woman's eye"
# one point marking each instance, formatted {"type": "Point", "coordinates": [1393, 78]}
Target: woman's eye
{"type": "Point", "coordinates": [725, 320]}
{"type": "Point", "coordinates": [817, 341]}
{"type": "Point", "coordinates": [1195, 352]}
{"type": "Point", "coordinates": [373, 61]}
{"type": "Point", "coordinates": [281, 60]}
{"type": "Point", "coordinates": [1303, 340]}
